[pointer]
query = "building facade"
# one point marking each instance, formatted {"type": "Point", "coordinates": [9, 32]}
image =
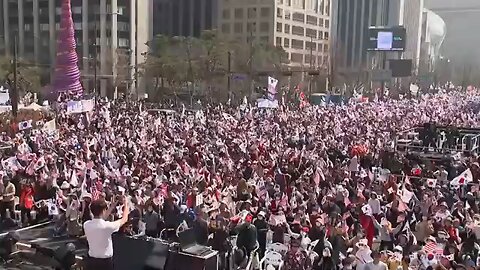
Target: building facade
{"type": "Point", "coordinates": [107, 32]}
{"type": "Point", "coordinates": [351, 20]}
{"type": "Point", "coordinates": [184, 17]}
{"type": "Point", "coordinates": [301, 27]}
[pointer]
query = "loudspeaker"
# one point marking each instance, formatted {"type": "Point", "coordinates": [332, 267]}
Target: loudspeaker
{"type": "Point", "coordinates": [132, 253]}
{"type": "Point", "coordinates": [181, 261]}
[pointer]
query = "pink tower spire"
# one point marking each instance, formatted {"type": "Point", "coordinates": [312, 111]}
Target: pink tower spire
{"type": "Point", "coordinates": [66, 77]}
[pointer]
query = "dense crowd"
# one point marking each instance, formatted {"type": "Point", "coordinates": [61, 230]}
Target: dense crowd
{"type": "Point", "coordinates": [290, 176]}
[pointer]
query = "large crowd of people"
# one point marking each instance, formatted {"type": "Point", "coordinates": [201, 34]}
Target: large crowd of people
{"type": "Point", "coordinates": [313, 179]}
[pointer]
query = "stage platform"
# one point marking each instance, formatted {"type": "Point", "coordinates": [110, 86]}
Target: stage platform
{"type": "Point", "coordinates": [443, 142]}
{"type": "Point", "coordinates": [42, 235]}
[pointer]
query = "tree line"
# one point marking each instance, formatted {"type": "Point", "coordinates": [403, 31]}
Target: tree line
{"type": "Point", "coordinates": [201, 66]}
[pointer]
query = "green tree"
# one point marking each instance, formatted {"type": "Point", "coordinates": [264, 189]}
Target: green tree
{"type": "Point", "coordinates": [185, 63]}
{"type": "Point", "coordinates": [28, 75]}
{"type": "Point", "coordinates": [213, 59]}
{"type": "Point", "coordinates": [161, 64]}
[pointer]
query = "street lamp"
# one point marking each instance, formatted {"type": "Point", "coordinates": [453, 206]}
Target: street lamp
{"type": "Point", "coordinates": [312, 72]}
{"type": "Point", "coordinates": [89, 59]}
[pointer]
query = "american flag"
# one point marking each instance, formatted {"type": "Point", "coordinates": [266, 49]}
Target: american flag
{"type": "Point", "coordinates": [433, 248]}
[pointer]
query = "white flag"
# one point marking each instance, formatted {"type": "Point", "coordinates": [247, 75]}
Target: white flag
{"type": "Point", "coordinates": [272, 85]}
{"type": "Point", "coordinates": [462, 179]}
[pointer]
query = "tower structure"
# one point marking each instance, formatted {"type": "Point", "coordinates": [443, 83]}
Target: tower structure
{"type": "Point", "coordinates": [66, 78]}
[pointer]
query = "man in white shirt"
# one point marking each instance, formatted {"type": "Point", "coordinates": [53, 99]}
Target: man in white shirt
{"type": "Point", "coordinates": [99, 235]}
{"type": "Point", "coordinates": [376, 264]}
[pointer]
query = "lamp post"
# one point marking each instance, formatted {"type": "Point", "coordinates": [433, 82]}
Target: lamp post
{"type": "Point", "coordinates": [312, 72]}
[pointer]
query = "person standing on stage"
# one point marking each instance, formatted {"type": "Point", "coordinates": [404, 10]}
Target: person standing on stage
{"type": "Point", "coordinates": [99, 235]}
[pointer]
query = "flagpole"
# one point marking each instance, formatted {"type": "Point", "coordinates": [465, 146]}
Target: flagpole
{"type": "Point", "coordinates": [14, 98]}
{"type": "Point", "coordinates": [229, 75]}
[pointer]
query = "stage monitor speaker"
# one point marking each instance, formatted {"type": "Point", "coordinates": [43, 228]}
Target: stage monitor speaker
{"type": "Point", "coordinates": [181, 261]}
{"type": "Point", "coordinates": [131, 253]}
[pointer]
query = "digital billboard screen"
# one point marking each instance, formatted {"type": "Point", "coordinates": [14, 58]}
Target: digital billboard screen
{"type": "Point", "coordinates": [386, 38]}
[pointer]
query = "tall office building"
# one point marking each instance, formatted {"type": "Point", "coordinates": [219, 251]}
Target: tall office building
{"type": "Point", "coordinates": [301, 27]}
{"type": "Point", "coordinates": [184, 17]}
{"type": "Point", "coordinates": [105, 31]}
{"type": "Point", "coordinates": [350, 22]}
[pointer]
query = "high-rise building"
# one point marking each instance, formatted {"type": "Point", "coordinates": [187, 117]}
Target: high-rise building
{"type": "Point", "coordinates": [184, 17]}
{"type": "Point", "coordinates": [107, 32]}
{"type": "Point", "coordinates": [301, 27]}
{"type": "Point", "coordinates": [350, 22]}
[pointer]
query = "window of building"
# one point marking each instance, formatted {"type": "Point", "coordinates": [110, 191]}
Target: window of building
{"type": "Point", "coordinates": [44, 27]}
{"type": "Point", "coordinates": [123, 42]}
{"type": "Point", "coordinates": [252, 13]}
{"type": "Point", "coordinates": [296, 58]}
{"type": "Point", "coordinates": [77, 10]}
{"type": "Point", "coordinates": [320, 47]}
{"type": "Point", "coordinates": [265, 12]}
{"type": "Point", "coordinates": [320, 22]}
{"type": "Point", "coordinates": [264, 27]}
{"type": "Point", "coordinates": [311, 20]}
{"type": "Point", "coordinates": [307, 59]}
{"type": "Point", "coordinates": [298, 17]}
{"type": "Point", "coordinates": [123, 26]}
{"type": "Point", "coordinates": [286, 43]}
{"type": "Point", "coordinates": [311, 33]}
{"type": "Point", "coordinates": [58, 10]}
{"type": "Point", "coordinates": [298, 30]}
{"type": "Point", "coordinates": [226, 14]}
{"type": "Point", "coordinates": [279, 27]}
{"type": "Point", "coordinates": [297, 44]}
{"type": "Point", "coordinates": [278, 41]}
{"type": "Point", "coordinates": [287, 28]}
{"type": "Point", "coordinates": [121, 10]}
{"type": "Point", "coordinates": [311, 45]}
{"type": "Point", "coordinates": [287, 15]}
{"type": "Point", "coordinates": [238, 27]}
{"type": "Point", "coordinates": [77, 26]}
{"type": "Point", "coordinates": [325, 48]}
{"type": "Point", "coordinates": [252, 27]}
{"type": "Point", "coordinates": [279, 13]}
{"type": "Point", "coordinates": [327, 23]}
{"type": "Point", "coordinates": [326, 35]}
{"type": "Point", "coordinates": [226, 28]}
{"type": "Point", "coordinates": [239, 13]}
{"type": "Point", "coordinates": [320, 34]}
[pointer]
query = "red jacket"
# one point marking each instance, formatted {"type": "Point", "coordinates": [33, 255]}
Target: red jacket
{"type": "Point", "coordinates": [26, 198]}
{"type": "Point", "coordinates": [368, 227]}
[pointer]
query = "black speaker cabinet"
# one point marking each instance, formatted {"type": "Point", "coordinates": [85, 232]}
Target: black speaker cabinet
{"type": "Point", "coordinates": [138, 254]}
